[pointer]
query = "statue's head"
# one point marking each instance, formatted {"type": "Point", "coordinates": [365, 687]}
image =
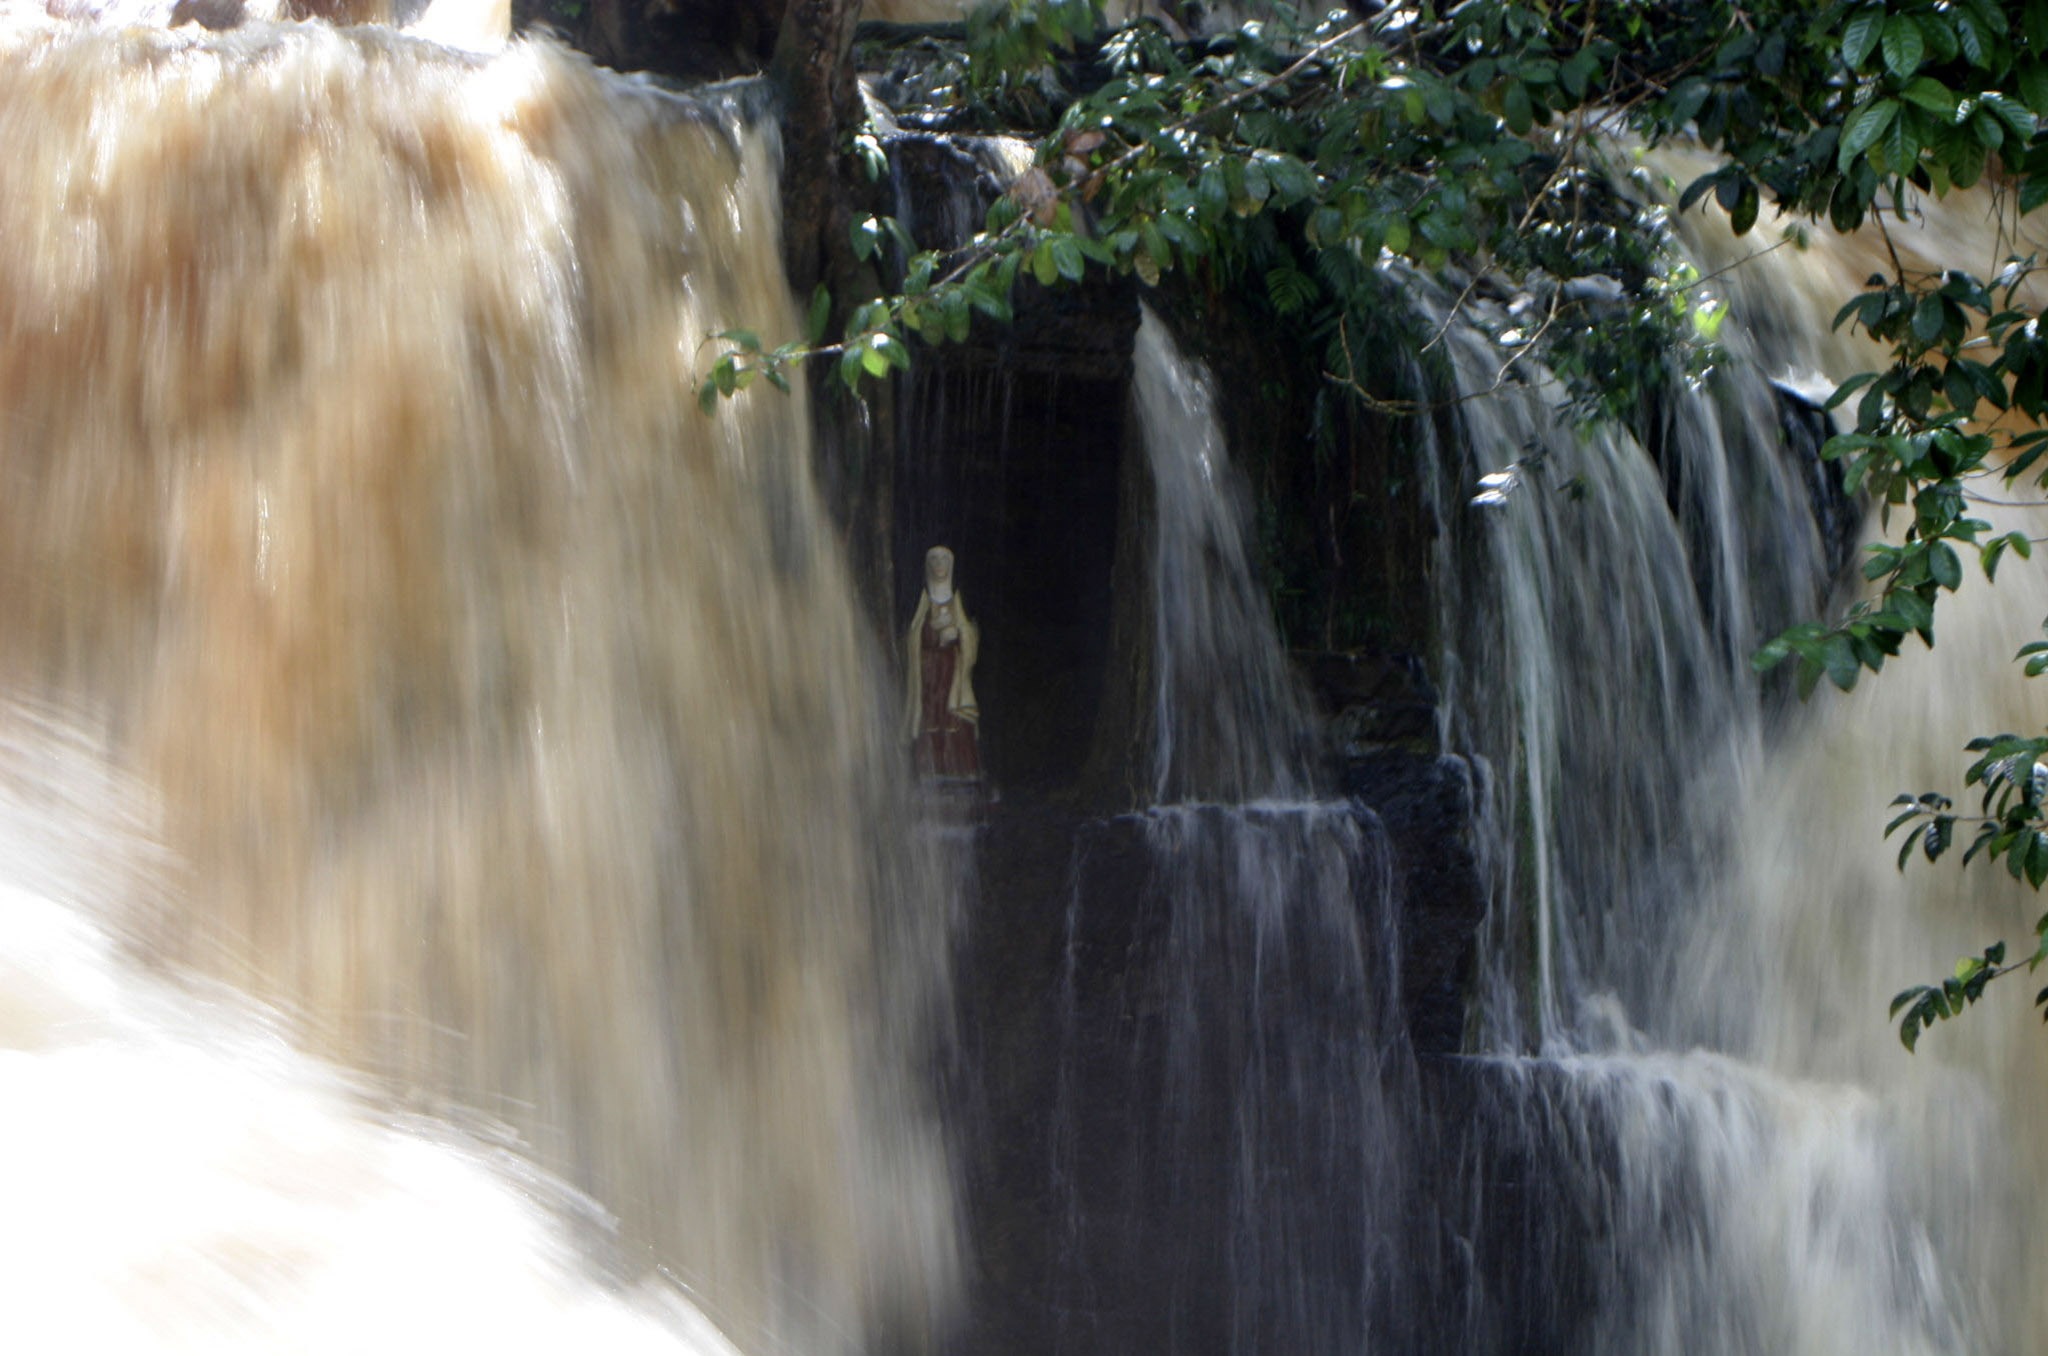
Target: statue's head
{"type": "Point", "coordinates": [938, 566]}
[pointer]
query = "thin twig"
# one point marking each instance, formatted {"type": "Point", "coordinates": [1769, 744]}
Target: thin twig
{"type": "Point", "coordinates": [1977, 498]}
{"type": "Point", "coordinates": [1706, 278]}
{"type": "Point", "coordinates": [1451, 316]}
{"type": "Point", "coordinates": [1382, 405]}
{"type": "Point", "coordinates": [1308, 58]}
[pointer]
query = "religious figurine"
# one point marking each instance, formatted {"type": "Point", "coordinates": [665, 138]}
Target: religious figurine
{"type": "Point", "coordinates": [941, 718]}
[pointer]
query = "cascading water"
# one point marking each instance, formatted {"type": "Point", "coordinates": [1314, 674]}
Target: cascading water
{"type": "Point", "coordinates": [386, 635]}
{"type": "Point", "coordinates": [1689, 1127]}
{"type": "Point", "coordinates": [1699, 933]}
{"type": "Point", "coordinates": [181, 1179]}
{"type": "Point", "coordinates": [1227, 722]}
{"type": "Point", "coordinates": [504, 721]}
{"type": "Point", "coordinates": [1597, 627]}
{"type": "Point", "coordinates": [1227, 1144]}
{"type": "Point", "coordinates": [1229, 1134]}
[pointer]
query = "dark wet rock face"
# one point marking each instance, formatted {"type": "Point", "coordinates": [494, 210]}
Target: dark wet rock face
{"type": "Point", "coordinates": [685, 39]}
{"type": "Point", "coordinates": [1178, 1052]}
{"type": "Point", "coordinates": [1185, 1087]}
{"type": "Point", "coordinates": [1424, 803]}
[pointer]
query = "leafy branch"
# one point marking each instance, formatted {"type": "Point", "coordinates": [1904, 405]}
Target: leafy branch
{"type": "Point", "coordinates": [1297, 159]}
{"type": "Point", "coordinates": [2012, 771]}
{"type": "Point", "coordinates": [1922, 1005]}
{"type": "Point", "coordinates": [1289, 167]}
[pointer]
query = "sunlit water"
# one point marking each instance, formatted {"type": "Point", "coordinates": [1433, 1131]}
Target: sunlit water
{"type": "Point", "coordinates": [506, 724]}
{"type": "Point", "coordinates": [177, 1177]}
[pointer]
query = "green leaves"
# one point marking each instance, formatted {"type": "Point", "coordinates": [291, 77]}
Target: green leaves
{"type": "Point", "coordinates": [1944, 566]}
{"type": "Point", "coordinates": [1864, 127]}
{"type": "Point", "coordinates": [1742, 213]}
{"type": "Point", "coordinates": [870, 233]}
{"type": "Point", "coordinates": [1578, 72]}
{"type": "Point", "coordinates": [1290, 290]}
{"type": "Point", "coordinates": [1008, 40]}
{"type": "Point", "coordinates": [1930, 94]}
{"type": "Point", "coordinates": [1904, 45]}
{"type": "Point", "coordinates": [2032, 78]}
{"type": "Point", "coordinates": [1935, 827]}
{"type": "Point", "coordinates": [1517, 109]}
{"type": "Point", "coordinates": [819, 315]}
{"type": "Point", "coordinates": [1928, 91]}
{"type": "Point", "coordinates": [871, 353]}
{"type": "Point", "coordinates": [1067, 259]}
{"type": "Point", "coordinates": [737, 368]}
{"type": "Point", "coordinates": [2009, 762]}
{"type": "Point", "coordinates": [1907, 452]}
{"type": "Point", "coordinates": [1285, 167]}
{"type": "Point", "coordinates": [2015, 118]}
{"type": "Point", "coordinates": [1925, 1004]}
{"type": "Point", "coordinates": [1860, 36]}
{"type": "Point", "coordinates": [2034, 24]}
{"type": "Point", "coordinates": [1044, 267]}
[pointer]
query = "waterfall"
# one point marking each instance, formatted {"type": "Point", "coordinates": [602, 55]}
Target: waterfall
{"type": "Point", "coordinates": [1688, 1125]}
{"type": "Point", "coordinates": [1227, 720]}
{"type": "Point", "coordinates": [180, 1178]}
{"type": "Point", "coordinates": [1685, 1126]}
{"type": "Point", "coordinates": [505, 725]}
{"type": "Point", "coordinates": [1230, 1136]}
{"type": "Point", "coordinates": [1228, 1147]}
{"type": "Point", "coordinates": [458, 885]}
{"type": "Point", "coordinates": [1716, 1143]}
{"type": "Point", "coordinates": [1598, 606]}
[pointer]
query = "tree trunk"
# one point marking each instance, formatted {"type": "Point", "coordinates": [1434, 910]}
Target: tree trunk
{"type": "Point", "coordinates": [856, 445]}
{"type": "Point", "coordinates": [821, 101]}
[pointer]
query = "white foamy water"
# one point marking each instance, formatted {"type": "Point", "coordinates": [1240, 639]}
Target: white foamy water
{"type": "Point", "coordinates": [176, 1177]}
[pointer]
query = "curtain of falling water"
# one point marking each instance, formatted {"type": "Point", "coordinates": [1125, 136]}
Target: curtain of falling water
{"type": "Point", "coordinates": [1228, 1141]}
{"type": "Point", "coordinates": [176, 1177]}
{"type": "Point", "coordinates": [1230, 1135]}
{"type": "Point", "coordinates": [1597, 628]}
{"type": "Point", "coordinates": [1668, 884]}
{"type": "Point", "coordinates": [1814, 908]}
{"type": "Point", "coordinates": [510, 718]}
{"type": "Point", "coordinates": [1227, 721]}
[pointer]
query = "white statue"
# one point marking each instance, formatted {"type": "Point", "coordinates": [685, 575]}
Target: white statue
{"type": "Point", "coordinates": [941, 718]}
